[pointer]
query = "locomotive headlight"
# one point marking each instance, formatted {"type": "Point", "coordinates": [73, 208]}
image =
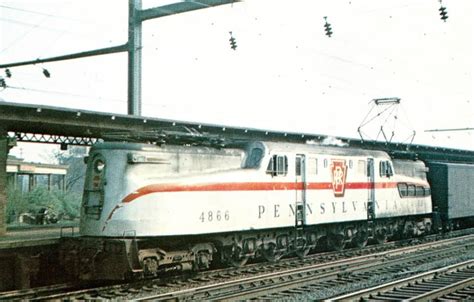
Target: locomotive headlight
{"type": "Point", "coordinates": [99, 165]}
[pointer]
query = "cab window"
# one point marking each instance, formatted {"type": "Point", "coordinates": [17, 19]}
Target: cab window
{"type": "Point", "coordinates": [278, 165]}
{"type": "Point", "coordinates": [254, 159]}
{"type": "Point", "coordinates": [386, 169]}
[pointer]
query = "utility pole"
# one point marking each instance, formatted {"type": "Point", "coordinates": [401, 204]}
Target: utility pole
{"type": "Point", "coordinates": [136, 15]}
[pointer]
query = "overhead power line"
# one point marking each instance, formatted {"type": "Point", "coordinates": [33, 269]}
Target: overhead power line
{"type": "Point", "coordinates": [64, 93]}
{"type": "Point", "coordinates": [34, 12]}
{"type": "Point", "coordinates": [134, 44]}
{"type": "Point", "coordinates": [449, 129]}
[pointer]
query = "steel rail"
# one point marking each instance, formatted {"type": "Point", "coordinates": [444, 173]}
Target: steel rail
{"type": "Point", "coordinates": [438, 293]}
{"type": "Point", "coordinates": [329, 270]}
{"type": "Point", "coordinates": [318, 277]}
{"type": "Point", "coordinates": [326, 266]}
{"type": "Point", "coordinates": [369, 292]}
{"type": "Point", "coordinates": [123, 288]}
{"type": "Point", "coordinates": [29, 293]}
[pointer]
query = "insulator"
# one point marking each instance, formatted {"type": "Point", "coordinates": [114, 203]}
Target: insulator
{"type": "Point", "coordinates": [46, 73]}
{"type": "Point", "coordinates": [327, 27]}
{"type": "Point", "coordinates": [8, 73]}
{"type": "Point", "coordinates": [233, 42]}
{"type": "Point", "coordinates": [443, 13]}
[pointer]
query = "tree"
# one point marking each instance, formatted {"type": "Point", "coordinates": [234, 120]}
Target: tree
{"type": "Point", "coordinates": [74, 158]}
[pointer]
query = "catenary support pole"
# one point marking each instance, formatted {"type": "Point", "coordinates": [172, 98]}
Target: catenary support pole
{"type": "Point", "coordinates": [134, 57]}
{"type": "Point", "coordinates": [134, 44]}
{"type": "Point", "coordinates": [3, 181]}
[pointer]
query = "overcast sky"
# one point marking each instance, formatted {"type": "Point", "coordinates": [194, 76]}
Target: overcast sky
{"type": "Point", "coordinates": [286, 74]}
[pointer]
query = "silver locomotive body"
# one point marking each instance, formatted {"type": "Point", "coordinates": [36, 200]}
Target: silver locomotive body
{"type": "Point", "coordinates": [149, 209]}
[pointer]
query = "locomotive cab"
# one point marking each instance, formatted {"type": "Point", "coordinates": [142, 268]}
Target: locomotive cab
{"type": "Point", "coordinates": [116, 172]}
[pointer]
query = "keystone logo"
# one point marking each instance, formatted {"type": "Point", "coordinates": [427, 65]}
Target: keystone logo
{"type": "Point", "coordinates": [338, 172]}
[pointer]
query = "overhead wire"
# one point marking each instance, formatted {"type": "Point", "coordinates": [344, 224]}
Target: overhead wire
{"type": "Point", "coordinates": [345, 60]}
{"type": "Point", "coordinates": [64, 93]}
{"type": "Point", "coordinates": [28, 24]}
{"type": "Point", "coordinates": [47, 28]}
{"type": "Point", "coordinates": [21, 37]}
{"type": "Point", "coordinates": [36, 12]}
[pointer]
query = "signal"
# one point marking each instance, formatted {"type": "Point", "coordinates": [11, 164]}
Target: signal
{"type": "Point", "coordinates": [8, 73]}
{"type": "Point", "coordinates": [233, 42]}
{"type": "Point", "coordinates": [327, 27]}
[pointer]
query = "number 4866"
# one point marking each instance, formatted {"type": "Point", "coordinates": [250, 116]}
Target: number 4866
{"type": "Point", "coordinates": [214, 216]}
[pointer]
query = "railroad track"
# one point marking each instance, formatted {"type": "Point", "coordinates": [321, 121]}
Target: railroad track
{"type": "Point", "coordinates": [455, 282]}
{"type": "Point", "coordinates": [44, 290]}
{"type": "Point", "coordinates": [317, 281]}
{"type": "Point", "coordinates": [181, 285]}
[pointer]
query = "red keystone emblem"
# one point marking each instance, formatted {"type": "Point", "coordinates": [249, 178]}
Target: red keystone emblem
{"type": "Point", "coordinates": [338, 172]}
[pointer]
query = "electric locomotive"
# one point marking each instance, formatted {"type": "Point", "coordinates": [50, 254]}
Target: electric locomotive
{"type": "Point", "coordinates": [149, 209]}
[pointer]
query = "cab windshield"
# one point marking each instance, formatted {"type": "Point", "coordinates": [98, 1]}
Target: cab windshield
{"type": "Point", "coordinates": [254, 159]}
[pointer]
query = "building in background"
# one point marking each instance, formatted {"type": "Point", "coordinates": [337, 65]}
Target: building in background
{"type": "Point", "coordinates": [26, 176]}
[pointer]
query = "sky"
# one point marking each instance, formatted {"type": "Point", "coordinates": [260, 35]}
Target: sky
{"type": "Point", "coordinates": [285, 74]}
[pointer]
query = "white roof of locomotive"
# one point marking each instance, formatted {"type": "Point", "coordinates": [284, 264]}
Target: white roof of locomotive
{"type": "Point", "coordinates": [272, 147]}
{"type": "Point", "coordinates": [157, 148]}
{"type": "Point", "coordinates": [324, 149]}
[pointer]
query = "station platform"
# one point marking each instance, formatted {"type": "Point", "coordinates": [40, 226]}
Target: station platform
{"type": "Point", "coordinates": [35, 235]}
{"type": "Point", "coordinates": [29, 255]}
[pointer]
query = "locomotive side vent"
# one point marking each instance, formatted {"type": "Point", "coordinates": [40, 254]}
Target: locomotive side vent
{"type": "Point", "coordinates": [134, 158]}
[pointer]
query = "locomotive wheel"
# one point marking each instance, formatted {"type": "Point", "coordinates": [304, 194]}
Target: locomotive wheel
{"type": "Point", "coordinates": [151, 266]}
{"type": "Point", "coordinates": [301, 253]}
{"type": "Point", "coordinates": [336, 242]}
{"type": "Point", "coordinates": [237, 261]}
{"type": "Point", "coordinates": [380, 236]}
{"type": "Point", "coordinates": [269, 252]}
{"type": "Point", "coordinates": [361, 239]}
{"type": "Point", "coordinates": [301, 247]}
{"type": "Point", "coordinates": [234, 258]}
{"type": "Point", "coordinates": [203, 260]}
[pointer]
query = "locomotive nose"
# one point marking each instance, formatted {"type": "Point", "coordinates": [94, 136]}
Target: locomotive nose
{"type": "Point", "coordinates": [93, 199]}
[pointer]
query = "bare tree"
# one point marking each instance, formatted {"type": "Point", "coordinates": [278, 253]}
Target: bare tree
{"type": "Point", "coordinates": [74, 158]}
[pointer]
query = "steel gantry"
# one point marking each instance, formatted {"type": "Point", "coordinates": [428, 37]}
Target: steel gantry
{"type": "Point", "coordinates": [136, 17]}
